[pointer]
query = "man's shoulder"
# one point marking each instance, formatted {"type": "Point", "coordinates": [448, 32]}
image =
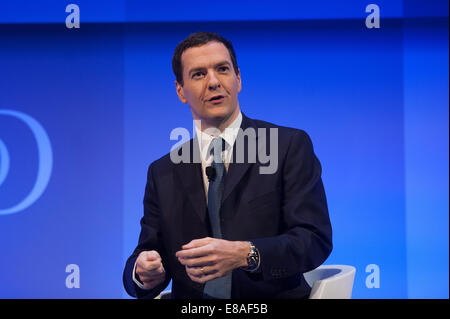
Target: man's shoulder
{"type": "Point", "coordinates": [283, 131]}
{"type": "Point", "coordinates": [165, 162]}
{"type": "Point", "coordinates": [161, 162]}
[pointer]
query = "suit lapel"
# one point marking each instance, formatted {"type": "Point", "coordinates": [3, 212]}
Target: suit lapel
{"type": "Point", "coordinates": [191, 178]}
{"type": "Point", "coordinates": [237, 170]}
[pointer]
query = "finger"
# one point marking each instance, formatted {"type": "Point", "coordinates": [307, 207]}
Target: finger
{"type": "Point", "coordinates": [151, 274]}
{"type": "Point", "coordinates": [198, 262]}
{"type": "Point", "coordinates": [194, 252]}
{"type": "Point", "coordinates": [195, 271]}
{"type": "Point", "coordinates": [197, 243]}
{"type": "Point", "coordinates": [151, 255]}
{"type": "Point", "coordinates": [201, 271]}
{"type": "Point", "coordinates": [145, 278]}
{"type": "Point", "coordinates": [149, 266]}
{"type": "Point", "coordinates": [203, 279]}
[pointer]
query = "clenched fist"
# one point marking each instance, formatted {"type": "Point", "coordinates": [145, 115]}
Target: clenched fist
{"type": "Point", "coordinates": [149, 269]}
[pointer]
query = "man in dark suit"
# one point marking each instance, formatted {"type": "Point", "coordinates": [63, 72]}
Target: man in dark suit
{"type": "Point", "coordinates": [228, 225]}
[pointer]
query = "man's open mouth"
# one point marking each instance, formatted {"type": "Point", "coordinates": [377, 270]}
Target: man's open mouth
{"type": "Point", "coordinates": [216, 98]}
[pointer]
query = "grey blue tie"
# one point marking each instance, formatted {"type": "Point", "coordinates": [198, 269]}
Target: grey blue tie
{"type": "Point", "coordinates": [220, 287]}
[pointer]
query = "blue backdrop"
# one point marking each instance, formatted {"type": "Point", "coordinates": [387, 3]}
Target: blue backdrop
{"type": "Point", "coordinates": [83, 111]}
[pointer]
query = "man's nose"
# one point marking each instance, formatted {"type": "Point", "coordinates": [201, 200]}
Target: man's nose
{"type": "Point", "coordinates": [213, 81]}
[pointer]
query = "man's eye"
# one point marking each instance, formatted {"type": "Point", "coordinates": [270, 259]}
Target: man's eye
{"type": "Point", "coordinates": [197, 75]}
{"type": "Point", "coordinates": [223, 68]}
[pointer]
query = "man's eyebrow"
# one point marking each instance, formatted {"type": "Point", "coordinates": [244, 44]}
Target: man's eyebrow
{"type": "Point", "coordinates": [200, 68]}
{"type": "Point", "coordinates": [222, 63]}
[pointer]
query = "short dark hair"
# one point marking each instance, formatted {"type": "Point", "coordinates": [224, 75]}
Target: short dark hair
{"type": "Point", "coordinates": [195, 40]}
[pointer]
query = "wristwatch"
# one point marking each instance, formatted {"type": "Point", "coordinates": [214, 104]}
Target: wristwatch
{"type": "Point", "coordinates": [252, 258]}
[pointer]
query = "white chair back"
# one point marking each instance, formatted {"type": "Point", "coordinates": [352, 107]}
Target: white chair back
{"type": "Point", "coordinates": [331, 282]}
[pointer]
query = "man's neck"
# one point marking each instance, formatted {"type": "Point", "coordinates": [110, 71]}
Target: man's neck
{"type": "Point", "coordinates": [222, 124]}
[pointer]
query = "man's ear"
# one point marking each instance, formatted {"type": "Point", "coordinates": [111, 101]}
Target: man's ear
{"type": "Point", "coordinates": [239, 80]}
{"type": "Point", "coordinates": [180, 92]}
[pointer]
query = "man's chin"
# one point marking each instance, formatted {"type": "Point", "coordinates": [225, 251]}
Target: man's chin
{"type": "Point", "coordinates": [218, 113]}
{"type": "Point", "coordinates": [217, 119]}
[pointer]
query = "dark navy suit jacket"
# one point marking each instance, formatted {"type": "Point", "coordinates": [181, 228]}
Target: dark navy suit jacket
{"type": "Point", "coordinates": [284, 214]}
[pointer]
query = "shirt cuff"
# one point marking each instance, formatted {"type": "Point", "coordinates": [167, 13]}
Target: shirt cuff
{"type": "Point", "coordinates": [139, 284]}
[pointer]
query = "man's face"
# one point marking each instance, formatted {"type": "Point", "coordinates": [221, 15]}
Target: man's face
{"type": "Point", "coordinates": [211, 85]}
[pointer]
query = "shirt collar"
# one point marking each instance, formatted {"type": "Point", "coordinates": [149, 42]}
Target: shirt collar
{"type": "Point", "coordinates": [229, 134]}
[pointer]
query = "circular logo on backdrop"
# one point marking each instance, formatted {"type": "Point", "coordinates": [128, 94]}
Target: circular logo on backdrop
{"type": "Point", "coordinates": [45, 157]}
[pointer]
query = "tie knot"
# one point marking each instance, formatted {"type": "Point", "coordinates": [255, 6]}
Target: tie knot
{"type": "Point", "coordinates": [216, 148]}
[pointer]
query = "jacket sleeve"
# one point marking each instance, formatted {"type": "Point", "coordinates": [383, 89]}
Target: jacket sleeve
{"type": "Point", "coordinates": [149, 239]}
{"type": "Point", "coordinates": [306, 237]}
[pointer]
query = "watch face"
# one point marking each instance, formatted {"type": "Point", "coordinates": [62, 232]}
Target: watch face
{"type": "Point", "coordinates": [252, 261]}
{"type": "Point", "coordinates": [253, 257]}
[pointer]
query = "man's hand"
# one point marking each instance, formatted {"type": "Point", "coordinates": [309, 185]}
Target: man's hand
{"type": "Point", "coordinates": [209, 258]}
{"type": "Point", "coordinates": [149, 269]}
